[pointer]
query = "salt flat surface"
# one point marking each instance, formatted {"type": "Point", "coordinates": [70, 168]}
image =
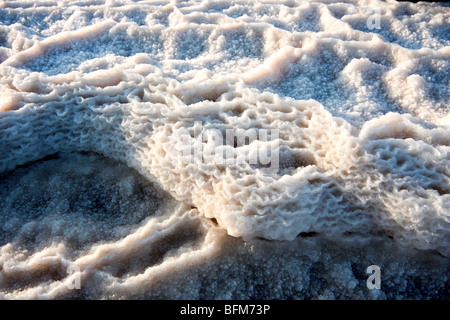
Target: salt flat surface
{"type": "Point", "coordinates": [103, 105]}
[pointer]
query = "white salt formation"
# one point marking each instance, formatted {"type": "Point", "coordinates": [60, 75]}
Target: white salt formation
{"type": "Point", "coordinates": [355, 97]}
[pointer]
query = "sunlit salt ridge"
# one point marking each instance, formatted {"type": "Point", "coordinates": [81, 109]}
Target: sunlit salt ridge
{"type": "Point", "coordinates": [362, 117]}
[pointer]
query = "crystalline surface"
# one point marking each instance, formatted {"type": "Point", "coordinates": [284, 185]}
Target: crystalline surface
{"type": "Point", "coordinates": [103, 107]}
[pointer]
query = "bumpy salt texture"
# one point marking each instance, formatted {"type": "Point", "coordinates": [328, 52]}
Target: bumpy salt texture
{"type": "Point", "coordinates": [350, 100]}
